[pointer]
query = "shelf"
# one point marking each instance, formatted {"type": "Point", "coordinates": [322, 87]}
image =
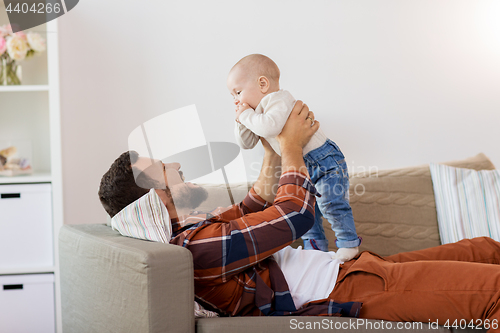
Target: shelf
{"type": "Point", "coordinates": [27, 270]}
{"type": "Point", "coordinates": [37, 177]}
{"type": "Point", "coordinates": [31, 112]}
{"type": "Point", "coordinates": [22, 88]}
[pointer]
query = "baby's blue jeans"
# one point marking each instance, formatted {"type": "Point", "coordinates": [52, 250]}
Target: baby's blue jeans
{"type": "Point", "coordinates": [328, 171]}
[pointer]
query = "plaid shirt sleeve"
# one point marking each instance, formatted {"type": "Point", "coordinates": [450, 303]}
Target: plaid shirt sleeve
{"type": "Point", "coordinates": [246, 234]}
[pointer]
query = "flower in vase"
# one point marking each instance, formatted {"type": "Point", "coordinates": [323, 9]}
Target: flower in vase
{"type": "Point", "coordinates": [36, 42]}
{"type": "Point", "coordinates": [5, 30]}
{"type": "Point", "coordinates": [21, 34]}
{"type": "Point", "coordinates": [17, 47]}
{"type": "Point", "coordinates": [3, 45]}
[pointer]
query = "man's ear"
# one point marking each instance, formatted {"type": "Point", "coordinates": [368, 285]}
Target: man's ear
{"type": "Point", "coordinates": [264, 84]}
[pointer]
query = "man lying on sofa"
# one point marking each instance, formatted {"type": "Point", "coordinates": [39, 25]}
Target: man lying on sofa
{"type": "Point", "coordinates": [244, 266]}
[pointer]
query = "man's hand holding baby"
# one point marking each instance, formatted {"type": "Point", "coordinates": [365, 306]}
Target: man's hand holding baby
{"type": "Point", "coordinates": [240, 108]}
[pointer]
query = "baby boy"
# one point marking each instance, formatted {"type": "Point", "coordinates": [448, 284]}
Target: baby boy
{"type": "Point", "coordinates": [262, 109]}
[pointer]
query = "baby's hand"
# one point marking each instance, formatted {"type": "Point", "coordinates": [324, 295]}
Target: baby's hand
{"type": "Point", "coordinates": [240, 108]}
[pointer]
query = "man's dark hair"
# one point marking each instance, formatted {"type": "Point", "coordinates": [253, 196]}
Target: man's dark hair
{"type": "Point", "coordinates": [118, 187]}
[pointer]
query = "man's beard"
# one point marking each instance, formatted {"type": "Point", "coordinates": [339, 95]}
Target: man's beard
{"type": "Point", "coordinates": [187, 197]}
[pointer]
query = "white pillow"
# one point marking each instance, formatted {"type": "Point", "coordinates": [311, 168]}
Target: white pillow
{"type": "Point", "coordinates": [467, 202]}
{"type": "Point", "coordinates": [147, 218]}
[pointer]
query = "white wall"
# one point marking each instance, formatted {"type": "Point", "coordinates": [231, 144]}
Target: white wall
{"type": "Point", "coordinates": [394, 83]}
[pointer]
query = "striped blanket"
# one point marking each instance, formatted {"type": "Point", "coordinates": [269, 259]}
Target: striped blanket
{"type": "Point", "coordinates": [467, 202]}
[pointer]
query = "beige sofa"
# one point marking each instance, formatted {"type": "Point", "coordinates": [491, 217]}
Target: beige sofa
{"type": "Point", "coordinates": [111, 283]}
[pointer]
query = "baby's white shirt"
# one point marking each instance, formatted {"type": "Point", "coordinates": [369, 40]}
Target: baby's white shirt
{"type": "Point", "coordinates": [268, 120]}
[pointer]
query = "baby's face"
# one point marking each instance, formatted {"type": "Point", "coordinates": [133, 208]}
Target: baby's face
{"type": "Point", "coordinates": [244, 87]}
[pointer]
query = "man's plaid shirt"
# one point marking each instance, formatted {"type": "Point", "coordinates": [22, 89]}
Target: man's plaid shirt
{"type": "Point", "coordinates": [232, 252]}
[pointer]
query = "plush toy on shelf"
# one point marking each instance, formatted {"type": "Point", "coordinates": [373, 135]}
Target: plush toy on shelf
{"type": "Point", "coordinates": [11, 164]}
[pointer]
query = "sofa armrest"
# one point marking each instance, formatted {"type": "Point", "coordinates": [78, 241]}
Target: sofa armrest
{"type": "Point", "coordinates": [111, 283]}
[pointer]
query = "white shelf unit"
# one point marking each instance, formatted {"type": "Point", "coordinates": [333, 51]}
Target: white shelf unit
{"type": "Point", "coordinates": [36, 177]}
{"type": "Point", "coordinates": [28, 270]}
{"type": "Point", "coordinates": [26, 88]}
{"type": "Point", "coordinates": [32, 112]}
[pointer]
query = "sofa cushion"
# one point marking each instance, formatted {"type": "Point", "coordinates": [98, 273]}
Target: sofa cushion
{"type": "Point", "coordinates": [394, 210]}
{"type": "Point", "coordinates": [467, 202]}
